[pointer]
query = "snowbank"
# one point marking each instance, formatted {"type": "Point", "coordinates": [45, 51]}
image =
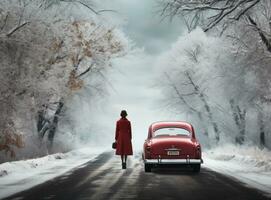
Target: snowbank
{"type": "Point", "coordinates": [21, 175]}
{"type": "Point", "coordinates": [248, 164]}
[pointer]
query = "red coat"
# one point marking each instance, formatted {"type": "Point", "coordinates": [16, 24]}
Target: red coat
{"type": "Point", "coordinates": [123, 137]}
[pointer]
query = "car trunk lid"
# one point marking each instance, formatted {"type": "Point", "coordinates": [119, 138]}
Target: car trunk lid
{"type": "Point", "coordinates": [172, 147]}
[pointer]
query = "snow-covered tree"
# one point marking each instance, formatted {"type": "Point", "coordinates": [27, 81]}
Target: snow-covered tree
{"type": "Point", "coordinates": [244, 27]}
{"type": "Point", "coordinates": [190, 70]}
{"type": "Point", "coordinates": [251, 42]}
{"type": "Point", "coordinates": [47, 54]}
{"type": "Point", "coordinates": [204, 79]}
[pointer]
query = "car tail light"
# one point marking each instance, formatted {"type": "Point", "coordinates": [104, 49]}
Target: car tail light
{"type": "Point", "coordinates": [198, 151]}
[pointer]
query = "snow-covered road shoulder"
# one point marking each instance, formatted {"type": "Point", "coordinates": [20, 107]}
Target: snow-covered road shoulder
{"type": "Point", "coordinates": [21, 175]}
{"type": "Point", "coordinates": [249, 165]}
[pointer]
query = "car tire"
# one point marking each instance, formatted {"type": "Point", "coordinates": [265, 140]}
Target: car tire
{"type": "Point", "coordinates": [148, 168]}
{"type": "Point", "coordinates": [196, 168]}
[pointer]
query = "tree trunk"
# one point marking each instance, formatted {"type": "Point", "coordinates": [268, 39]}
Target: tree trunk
{"type": "Point", "coordinates": [210, 116]}
{"type": "Point", "coordinates": [261, 128]}
{"type": "Point", "coordinates": [239, 118]}
{"type": "Point", "coordinates": [205, 131]}
{"type": "Point", "coordinates": [54, 123]}
{"type": "Point", "coordinates": [206, 106]}
{"type": "Point", "coordinates": [41, 124]}
{"type": "Point", "coordinates": [44, 125]}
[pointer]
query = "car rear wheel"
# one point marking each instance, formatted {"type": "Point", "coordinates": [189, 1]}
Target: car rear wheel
{"type": "Point", "coordinates": [147, 167]}
{"type": "Point", "coordinates": [196, 168]}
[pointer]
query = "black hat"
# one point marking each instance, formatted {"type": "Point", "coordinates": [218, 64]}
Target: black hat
{"type": "Point", "coordinates": [123, 113]}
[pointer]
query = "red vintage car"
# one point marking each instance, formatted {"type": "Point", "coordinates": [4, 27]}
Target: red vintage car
{"type": "Point", "coordinates": [171, 143]}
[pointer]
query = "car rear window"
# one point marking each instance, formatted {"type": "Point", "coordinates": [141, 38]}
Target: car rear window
{"type": "Point", "coordinates": [171, 131]}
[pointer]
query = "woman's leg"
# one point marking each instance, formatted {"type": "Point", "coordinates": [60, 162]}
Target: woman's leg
{"type": "Point", "coordinates": [123, 164]}
{"type": "Point", "coordinates": [125, 158]}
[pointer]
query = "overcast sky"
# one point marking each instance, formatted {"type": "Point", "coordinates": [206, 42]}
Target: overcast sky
{"type": "Point", "coordinates": [135, 75]}
{"type": "Point", "coordinates": [142, 23]}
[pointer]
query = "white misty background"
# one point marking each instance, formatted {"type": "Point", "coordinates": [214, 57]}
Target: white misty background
{"type": "Point", "coordinates": [68, 69]}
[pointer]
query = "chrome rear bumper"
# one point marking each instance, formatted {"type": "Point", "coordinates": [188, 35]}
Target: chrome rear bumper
{"type": "Point", "coordinates": [173, 161]}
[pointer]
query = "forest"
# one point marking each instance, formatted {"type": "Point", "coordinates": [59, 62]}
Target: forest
{"type": "Point", "coordinates": [219, 72]}
{"type": "Point", "coordinates": [49, 52]}
{"type": "Point", "coordinates": [52, 52]}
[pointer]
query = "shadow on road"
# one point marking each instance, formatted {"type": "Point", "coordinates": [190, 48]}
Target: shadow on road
{"type": "Point", "coordinates": [174, 171]}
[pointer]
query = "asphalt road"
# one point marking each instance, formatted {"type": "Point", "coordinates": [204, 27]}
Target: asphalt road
{"type": "Point", "coordinates": [103, 179]}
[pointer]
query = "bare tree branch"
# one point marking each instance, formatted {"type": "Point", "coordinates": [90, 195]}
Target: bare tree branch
{"type": "Point", "coordinates": [214, 10]}
{"type": "Point", "coordinates": [265, 40]}
{"type": "Point", "coordinates": [86, 71]}
{"type": "Point", "coordinates": [180, 96]}
{"type": "Point", "coordinates": [16, 29]}
{"type": "Point", "coordinates": [5, 21]}
{"type": "Point", "coordinates": [87, 6]}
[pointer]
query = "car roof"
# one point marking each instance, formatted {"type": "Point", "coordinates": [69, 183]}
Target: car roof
{"type": "Point", "coordinates": [160, 124]}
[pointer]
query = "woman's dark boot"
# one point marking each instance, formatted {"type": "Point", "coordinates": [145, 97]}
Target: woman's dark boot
{"type": "Point", "coordinates": [123, 166]}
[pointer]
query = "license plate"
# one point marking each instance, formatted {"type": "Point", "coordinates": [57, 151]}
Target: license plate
{"type": "Point", "coordinates": [173, 153]}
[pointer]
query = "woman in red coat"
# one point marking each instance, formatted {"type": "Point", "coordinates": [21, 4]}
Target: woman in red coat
{"type": "Point", "coordinates": [123, 137]}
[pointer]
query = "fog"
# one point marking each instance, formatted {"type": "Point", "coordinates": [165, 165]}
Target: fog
{"type": "Point", "coordinates": [132, 83]}
{"type": "Point", "coordinates": [124, 55]}
{"type": "Point", "coordinates": [122, 41]}
{"type": "Point", "coordinates": [133, 77]}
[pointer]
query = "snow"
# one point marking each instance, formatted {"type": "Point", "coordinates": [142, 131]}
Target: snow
{"type": "Point", "coordinates": [248, 164]}
{"type": "Point", "coordinates": [21, 175]}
